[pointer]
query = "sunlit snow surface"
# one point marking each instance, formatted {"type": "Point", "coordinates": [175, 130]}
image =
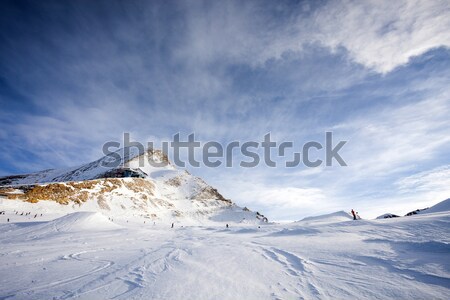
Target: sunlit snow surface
{"type": "Point", "coordinates": [86, 256]}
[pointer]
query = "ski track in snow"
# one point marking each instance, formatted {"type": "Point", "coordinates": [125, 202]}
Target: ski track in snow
{"type": "Point", "coordinates": [138, 273]}
{"type": "Point", "coordinates": [103, 264]}
{"type": "Point", "coordinates": [383, 259]}
{"type": "Point", "coordinates": [296, 267]}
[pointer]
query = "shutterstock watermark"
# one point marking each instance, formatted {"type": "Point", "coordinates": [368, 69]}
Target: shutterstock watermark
{"type": "Point", "coordinates": [246, 154]}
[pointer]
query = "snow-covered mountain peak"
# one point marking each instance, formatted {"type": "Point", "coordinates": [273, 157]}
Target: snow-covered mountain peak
{"type": "Point", "coordinates": [128, 183]}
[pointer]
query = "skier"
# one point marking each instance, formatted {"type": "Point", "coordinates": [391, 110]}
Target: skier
{"type": "Point", "coordinates": [227, 225]}
{"type": "Point", "coordinates": [354, 214]}
{"type": "Point", "coordinates": [172, 225]}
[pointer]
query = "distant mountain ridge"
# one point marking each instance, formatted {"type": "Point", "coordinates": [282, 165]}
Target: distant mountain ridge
{"type": "Point", "coordinates": [442, 206]}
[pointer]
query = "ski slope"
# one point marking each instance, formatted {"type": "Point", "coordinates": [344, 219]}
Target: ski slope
{"type": "Point", "coordinates": [85, 255]}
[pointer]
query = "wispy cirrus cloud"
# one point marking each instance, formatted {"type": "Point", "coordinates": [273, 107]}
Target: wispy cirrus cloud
{"type": "Point", "coordinates": [380, 35]}
{"type": "Point", "coordinates": [435, 180]}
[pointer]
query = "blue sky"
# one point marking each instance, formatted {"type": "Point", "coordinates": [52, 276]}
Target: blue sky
{"type": "Point", "coordinates": [75, 74]}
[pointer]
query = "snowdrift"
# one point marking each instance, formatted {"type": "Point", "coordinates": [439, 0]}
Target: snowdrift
{"type": "Point", "coordinates": [74, 223]}
{"type": "Point", "coordinates": [339, 216]}
{"type": "Point", "coordinates": [81, 221]}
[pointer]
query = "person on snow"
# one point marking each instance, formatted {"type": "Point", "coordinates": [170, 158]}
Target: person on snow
{"type": "Point", "coordinates": [354, 214]}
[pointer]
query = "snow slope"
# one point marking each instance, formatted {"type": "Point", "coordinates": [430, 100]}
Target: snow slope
{"type": "Point", "coordinates": [400, 258]}
{"type": "Point", "coordinates": [443, 206]}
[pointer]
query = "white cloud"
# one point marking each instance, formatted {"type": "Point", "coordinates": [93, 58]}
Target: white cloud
{"type": "Point", "coordinates": [390, 139]}
{"type": "Point", "coordinates": [384, 34]}
{"type": "Point", "coordinates": [379, 34]}
{"type": "Point", "coordinates": [436, 181]}
{"type": "Point", "coordinates": [284, 203]}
